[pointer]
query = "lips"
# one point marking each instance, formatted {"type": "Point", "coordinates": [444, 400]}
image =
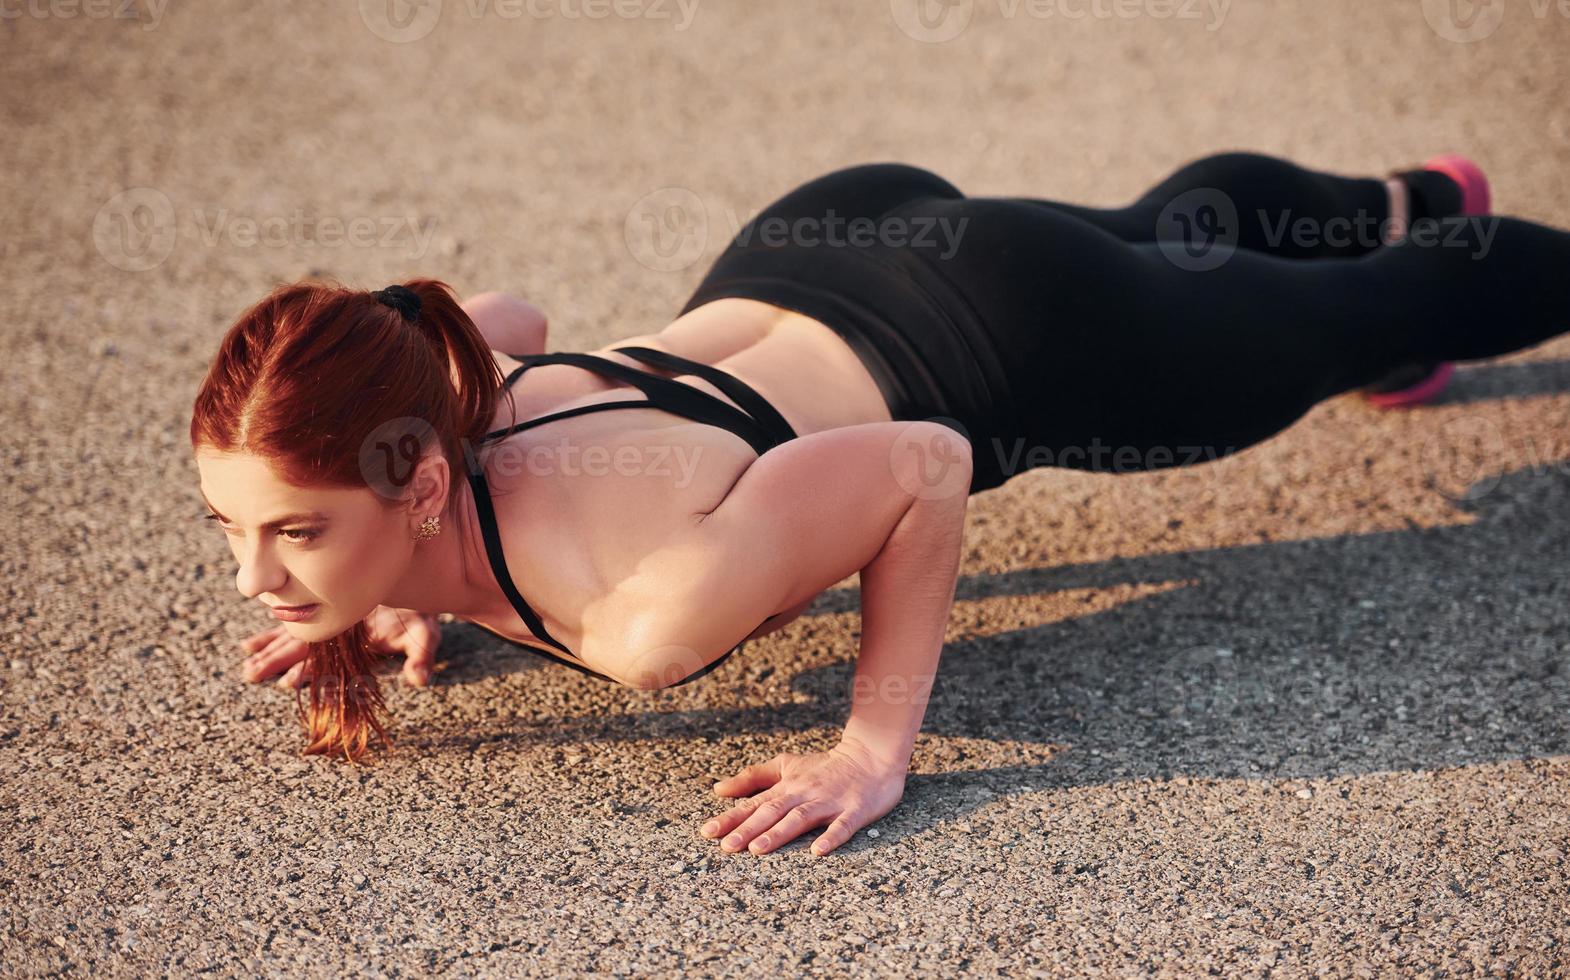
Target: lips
{"type": "Point", "coordinates": [293, 613]}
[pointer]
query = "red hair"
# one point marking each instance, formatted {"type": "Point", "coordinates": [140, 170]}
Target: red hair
{"type": "Point", "coordinates": [304, 379]}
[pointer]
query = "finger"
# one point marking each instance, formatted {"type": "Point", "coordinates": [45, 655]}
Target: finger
{"type": "Point", "coordinates": [801, 818]}
{"type": "Point", "coordinates": [291, 679]}
{"type": "Point", "coordinates": [420, 652]}
{"type": "Point", "coordinates": [840, 831]}
{"type": "Point", "coordinates": [765, 816]}
{"type": "Point", "coordinates": [260, 641]}
{"type": "Point", "coordinates": [733, 818]}
{"type": "Point", "coordinates": [727, 821]}
{"type": "Point", "coordinates": [753, 778]}
{"type": "Point", "coordinates": [284, 653]}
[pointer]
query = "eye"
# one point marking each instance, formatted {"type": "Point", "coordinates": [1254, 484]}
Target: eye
{"type": "Point", "coordinates": [294, 535]}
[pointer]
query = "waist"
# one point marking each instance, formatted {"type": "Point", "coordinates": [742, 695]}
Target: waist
{"type": "Point", "coordinates": [918, 337]}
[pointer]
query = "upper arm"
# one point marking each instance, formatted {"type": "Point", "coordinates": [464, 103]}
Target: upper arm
{"type": "Point", "coordinates": [510, 324]}
{"type": "Point", "coordinates": [803, 517]}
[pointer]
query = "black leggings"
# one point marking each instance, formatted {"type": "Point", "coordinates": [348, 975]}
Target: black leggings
{"type": "Point", "coordinates": [1206, 316]}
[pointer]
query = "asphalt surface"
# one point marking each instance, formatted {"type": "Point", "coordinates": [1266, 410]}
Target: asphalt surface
{"type": "Point", "coordinates": [1303, 710]}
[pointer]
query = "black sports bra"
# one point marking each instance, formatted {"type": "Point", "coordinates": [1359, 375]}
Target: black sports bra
{"type": "Point", "coordinates": [759, 423]}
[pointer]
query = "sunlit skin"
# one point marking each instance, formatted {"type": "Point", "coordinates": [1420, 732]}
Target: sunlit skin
{"type": "Point", "coordinates": [368, 561]}
{"type": "Point", "coordinates": [350, 551]}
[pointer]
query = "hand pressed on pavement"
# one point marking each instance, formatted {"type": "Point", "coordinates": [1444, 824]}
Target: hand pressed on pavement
{"type": "Point", "coordinates": [846, 788]}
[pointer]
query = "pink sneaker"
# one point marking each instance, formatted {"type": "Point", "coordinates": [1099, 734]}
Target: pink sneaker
{"type": "Point", "coordinates": [1419, 384]}
{"type": "Point", "coordinates": [1475, 195]}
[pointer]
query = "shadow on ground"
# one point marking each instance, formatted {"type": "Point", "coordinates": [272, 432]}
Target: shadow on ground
{"type": "Point", "coordinates": [1310, 658]}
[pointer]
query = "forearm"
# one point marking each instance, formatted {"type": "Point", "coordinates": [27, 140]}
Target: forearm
{"type": "Point", "coordinates": [907, 592]}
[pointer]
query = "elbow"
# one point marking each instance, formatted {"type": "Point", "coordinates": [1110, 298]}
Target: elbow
{"type": "Point", "coordinates": [662, 667]}
{"type": "Point", "coordinates": [939, 463]}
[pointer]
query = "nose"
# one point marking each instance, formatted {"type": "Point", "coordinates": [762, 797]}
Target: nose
{"type": "Point", "coordinates": [259, 573]}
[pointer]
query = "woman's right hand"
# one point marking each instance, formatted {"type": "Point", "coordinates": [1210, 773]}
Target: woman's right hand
{"type": "Point", "coordinates": [414, 634]}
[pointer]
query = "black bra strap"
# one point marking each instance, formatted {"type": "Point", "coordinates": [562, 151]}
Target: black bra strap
{"type": "Point", "coordinates": [493, 551]}
{"type": "Point", "coordinates": [580, 668]}
{"type": "Point", "coordinates": [564, 414]}
{"type": "Point", "coordinates": [739, 391]}
{"type": "Point", "coordinates": [675, 397]}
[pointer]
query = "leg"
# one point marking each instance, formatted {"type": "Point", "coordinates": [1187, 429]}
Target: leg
{"type": "Point", "coordinates": [1278, 207]}
{"type": "Point", "coordinates": [1113, 345]}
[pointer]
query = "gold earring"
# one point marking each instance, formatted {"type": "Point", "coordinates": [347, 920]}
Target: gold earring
{"type": "Point", "coordinates": [430, 527]}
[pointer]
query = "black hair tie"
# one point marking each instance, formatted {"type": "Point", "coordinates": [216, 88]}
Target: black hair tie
{"type": "Point", "coordinates": [405, 301]}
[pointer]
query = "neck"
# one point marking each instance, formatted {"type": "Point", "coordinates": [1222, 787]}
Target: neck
{"type": "Point", "coordinates": [450, 572]}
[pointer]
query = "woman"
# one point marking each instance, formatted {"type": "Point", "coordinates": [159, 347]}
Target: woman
{"type": "Point", "coordinates": [871, 349]}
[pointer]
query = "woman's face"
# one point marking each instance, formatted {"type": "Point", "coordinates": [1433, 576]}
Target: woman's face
{"type": "Point", "coordinates": [339, 549]}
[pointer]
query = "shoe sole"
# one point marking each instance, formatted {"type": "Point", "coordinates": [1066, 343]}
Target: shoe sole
{"type": "Point", "coordinates": [1424, 391]}
{"type": "Point", "coordinates": [1476, 199]}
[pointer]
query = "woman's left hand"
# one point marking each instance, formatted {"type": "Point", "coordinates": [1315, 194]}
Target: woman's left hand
{"type": "Point", "coordinates": [846, 787]}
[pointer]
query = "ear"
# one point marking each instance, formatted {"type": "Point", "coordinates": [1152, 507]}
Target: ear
{"type": "Point", "coordinates": [428, 487]}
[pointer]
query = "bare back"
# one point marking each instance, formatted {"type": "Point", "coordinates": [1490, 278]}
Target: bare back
{"type": "Point", "coordinates": [582, 501]}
